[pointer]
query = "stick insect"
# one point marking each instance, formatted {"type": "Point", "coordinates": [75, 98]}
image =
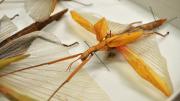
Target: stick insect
{"type": "Point", "coordinates": [108, 40]}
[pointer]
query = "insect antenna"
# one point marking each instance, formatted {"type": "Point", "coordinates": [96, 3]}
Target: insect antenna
{"type": "Point", "coordinates": [152, 12]}
{"type": "Point", "coordinates": [172, 19]}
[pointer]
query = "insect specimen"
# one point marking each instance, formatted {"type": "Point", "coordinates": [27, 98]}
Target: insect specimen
{"type": "Point", "coordinates": [109, 40]}
{"type": "Point", "coordinates": [6, 28]}
{"type": "Point", "coordinates": [157, 73]}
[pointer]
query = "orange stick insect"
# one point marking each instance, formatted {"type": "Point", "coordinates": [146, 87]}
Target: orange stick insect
{"type": "Point", "coordinates": [106, 41]}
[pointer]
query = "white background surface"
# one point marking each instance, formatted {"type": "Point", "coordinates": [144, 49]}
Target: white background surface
{"type": "Point", "coordinates": [117, 84]}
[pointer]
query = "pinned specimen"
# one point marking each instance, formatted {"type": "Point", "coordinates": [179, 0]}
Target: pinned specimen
{"type": "Point", "coordinates": [143, 55]}
{"type": "Point", "coordinates": [7, 27]}
{"type": "Point", "coordinates": [122, 40]}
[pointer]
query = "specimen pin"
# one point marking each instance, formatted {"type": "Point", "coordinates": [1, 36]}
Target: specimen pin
{"type": "Point", "coordinates": [98, 57]}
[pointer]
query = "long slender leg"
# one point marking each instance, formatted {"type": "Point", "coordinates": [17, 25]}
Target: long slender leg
{"type": "Point", "coordinates": [70, 76]}
{"type": "Point", "coordinates": [70, 65]}
{"type": "Point", "coordinates": [52, 41]}
{"type": "Point", "coordinates": [163, 35]}
{"type": "Point", "coordinates": [47, 63]}
{"type": "Point", "coordinates": [12, 18]}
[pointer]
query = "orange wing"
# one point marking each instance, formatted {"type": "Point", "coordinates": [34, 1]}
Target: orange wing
{"type": "Point", "coordinates": [82, 21]}
{"type": "Point", "coordinates": [144, 70]}
{"type": "Point", "coordinates": [124, 39]}
{"type": "Point", "coordinates": [100, 28]}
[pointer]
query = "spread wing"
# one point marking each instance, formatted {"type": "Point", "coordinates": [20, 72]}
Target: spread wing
{"type": "Point", "coordinates": [39, 83]}
{"type": "Point", "coordinates": [147, 50]}
{"type": "Point", "coordinates": [6, 61]}
{"type": "Point", "coordinates": [40, 10]}
{"type": "Point", "coordinates": [100, 28]}
{"type": "Point", "coordinates": [117, 27]}
{"type": "Point", "coordinates": [7, 27]}
{"type": "Point", "coordinates": [145, 57]}
{"type": "Point", "coordinates": [14, 50]}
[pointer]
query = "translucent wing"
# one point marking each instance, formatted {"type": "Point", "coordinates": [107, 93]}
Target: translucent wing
{"type": "Point", "coordinates": [148, 50]}
{"type": "Point", "coordinates": [39, 83]}
{"type": "Point", "coordinates": [114, 27]}
{"type": "Point", "coordinates": [7, 27]}
{"type": "Point", "coordinates": [14, 50]}
{"type": "Point", "coordinates": [100, 28]}
{"type": "Point", "coordinates": [40, 10]}
{"type": "Point", "coordinates": [6, 61]}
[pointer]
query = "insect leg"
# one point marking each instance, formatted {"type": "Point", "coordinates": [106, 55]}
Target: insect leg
{"type": "Point", "coordinates": [69, 67]}
{"type": "Point", "coordinates": [163, 35]}
{"type": "Point", "coordinates": [79, 67]}
{"type": "Point", "coordinates": [52, 41]}
{"type": "Point", "coordinates": [47, 63]}
{"type": "Point", "coordinates": [12, 18]}
{"type": "Point", "coordinates": [133, 23]}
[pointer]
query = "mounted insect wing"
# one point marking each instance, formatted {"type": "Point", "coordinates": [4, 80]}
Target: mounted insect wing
{"type": "Point", "coordinates": [16, 44]}
{"type": "Point", "coordinates": [37, 12]}
{"type": "Point", "coordinates": [40, 13]}
{"type": "Point", "coordinates": [143, 54]}
{"type": "Point", "coordinates": [7, 27]}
